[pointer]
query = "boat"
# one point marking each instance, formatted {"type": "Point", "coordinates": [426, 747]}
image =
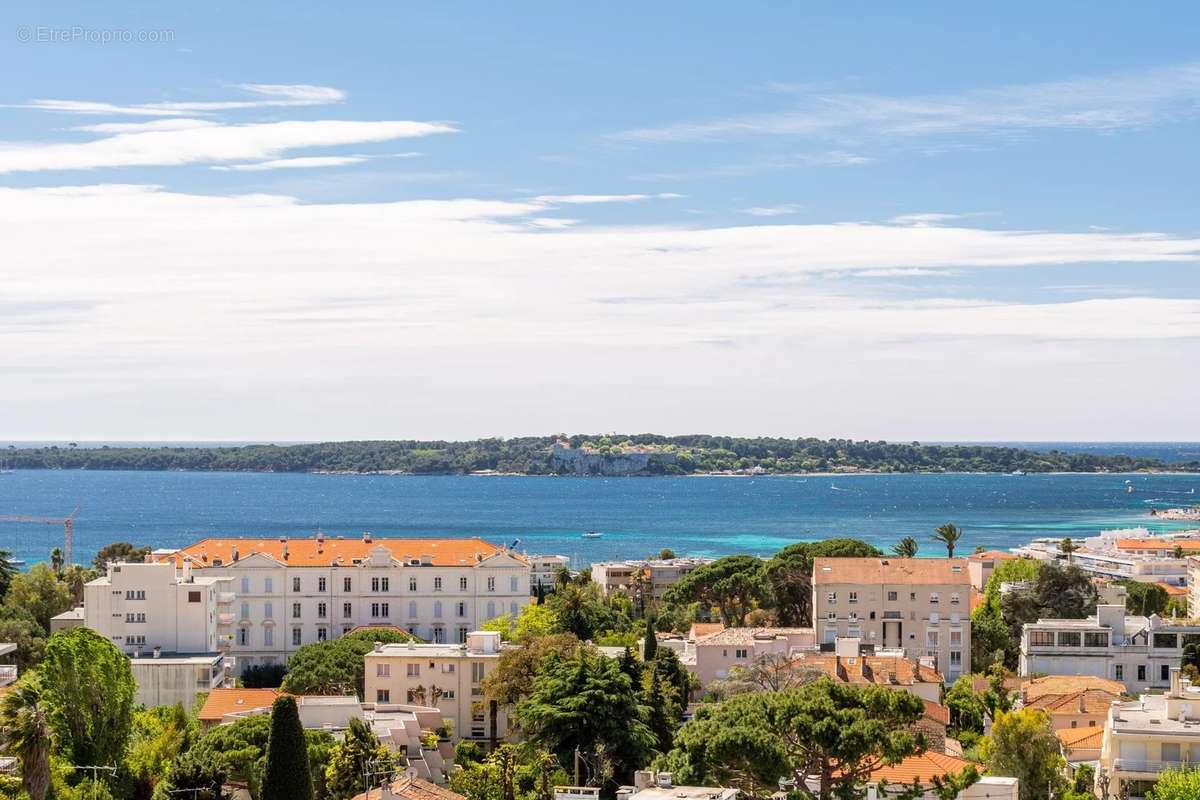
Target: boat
{"type": "Point", "coordinates": [591, 535]}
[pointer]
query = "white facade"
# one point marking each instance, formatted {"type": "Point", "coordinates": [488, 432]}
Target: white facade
{"type": "Point", "coordinates": [289, 593]}
{"type": "Point", "coordinates": [1137, 651]}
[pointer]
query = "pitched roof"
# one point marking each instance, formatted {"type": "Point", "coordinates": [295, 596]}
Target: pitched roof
{"type": "Point", "coordinates": [890, 570]}
{"type": "Point", "coordinates": [1081, 738]}
{"type": "Point", "coordinates": [314, 552]}
{"type": "Point", "coordinates": [412, 788]}
{"type": "Point", "coordinates": [227, 701]}
{"type": "Point", "coordinates": [878, 670]}
{"type": "Point", "coordinates": [1034, 688]}
{"type": "Point", "coordinates": [919, 769]}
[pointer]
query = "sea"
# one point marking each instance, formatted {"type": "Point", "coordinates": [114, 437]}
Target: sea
{"type": "Point", "coordinates": [700, 516]}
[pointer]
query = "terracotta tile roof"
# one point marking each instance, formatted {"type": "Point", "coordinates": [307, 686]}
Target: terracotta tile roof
{"type": "Point", "coordinates": [1033, 688]}
{"type": "Point", "coordinates": [311, 552]}
{"type": "Point", "coordinates": [936, 711]}
{"type": "Point", "coordinates": [890, 570]}
{"type": "Point", "coordinates": [919, 769]}
{"type": "Point", "coordinates": [1091, 701]}
{"type": "Point", "coordinates": [1081, 738]}
{"type": "Point", "coordinates": [413, 789]}
{"type": "Point", "coordinates": [996, 555]}
{"type": "Point", "coordinates": [1174, 591]}
{"type": "Point", "coordinates": [227, 701]}
{"type": "Point", "coordinates": [878, 670]}
{"type": "Point", "coordinates": [1187, 545]}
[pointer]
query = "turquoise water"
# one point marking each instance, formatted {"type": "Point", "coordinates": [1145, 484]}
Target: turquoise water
{"type": "Point", "coordinates": [696, 516]}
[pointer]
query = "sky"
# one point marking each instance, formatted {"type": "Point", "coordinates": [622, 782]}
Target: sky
{"type": "Point", "coordinates": [263, 222]}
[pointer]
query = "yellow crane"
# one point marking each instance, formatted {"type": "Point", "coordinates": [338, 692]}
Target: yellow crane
{"type": "Point", "coordinates": [67, 522]}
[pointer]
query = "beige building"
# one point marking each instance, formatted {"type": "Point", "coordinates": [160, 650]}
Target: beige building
{"type": "Point", "coordinates": [921, 606]}
{"type": "Point", "coordinates": [446, 677]}
{"type": "Point", "coordinates": [654, 576]}
{"type": "Point", "coordinates": [1150, 735]}
{"type": "Point", "coordinates": [284, 593]}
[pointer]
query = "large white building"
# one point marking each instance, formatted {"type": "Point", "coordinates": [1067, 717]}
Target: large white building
{"type": "Point", "coordinates": [1137, 651]}
{"type": "Point", "coordinates": [285, 593]}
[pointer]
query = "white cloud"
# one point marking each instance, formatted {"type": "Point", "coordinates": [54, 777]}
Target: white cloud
{"type": "Point", "coordinates": [269, 96]}
{"type": "Point", "coordinates": [206, 144]}
{"type": "Point", "coordinates": [304, 162]}
{"type": "Point", "coordinates": [1132, 99]}
{"type": "Point", "coordinates": [774, 211]}
{"type": "Point", "coordinates": [232, 302]}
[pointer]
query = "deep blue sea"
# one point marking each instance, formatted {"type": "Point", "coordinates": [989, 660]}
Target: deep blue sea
{"type": "Point", "coordinates": [638, 516]}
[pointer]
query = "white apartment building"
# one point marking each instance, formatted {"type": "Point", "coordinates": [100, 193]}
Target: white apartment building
{"type": "Point", "coordinates": [285, 593]}
{"type": "Point", "coordinates": [1149, 735]}
{"type": "Point", "coordinates": [447, 677]}
{"type": "Point", "coordinates": [919, 605]}
{"type": "Point", "coordinates": [1136, 651]}
{"type": "Point", "coordinates": [656, 575]}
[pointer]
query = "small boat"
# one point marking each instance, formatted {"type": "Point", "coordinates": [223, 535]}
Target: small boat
{"type": "Point", "coordinates": [591, 535]}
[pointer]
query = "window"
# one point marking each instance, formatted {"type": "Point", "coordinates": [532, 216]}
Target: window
{"type": "Point", "coordinates": [322, 633]}
{"type": "Point", "coordinates": [346, 584]}
{"type": "Point", "coordinates": [412, 609]}
{"type": "Point", "coordinates": [383, 670]}
{"type": "Point", "coordinates": [295, 611]}
{"type": "Point", "coordinates": [268, 610]}
{"type": "Point", "coordinates": [412, 670]}
{"type": "Point", "coordinates": [437, 609]}
{"type": "Point", "coordinates": [462, 609]}
{"type": "Point", "coordinates": [268, 637]}
{"type": "Point", "coordinates": [933, 598]}
{"type": "Point", "coordinates": [243, 636]}
{"type": "Point", "coordinates": [1095, 639]}
{"type": "Point", "coordinates": [1119, 672]}
{"type": "Point", "coordinates": [347, 610]}
{"type": "Point", "coordinates": [739, 653]}
{"type": "Point", "coordinates": [462, 584]}
{"type": "Point", "coordinates": [954, 598]}
{"type": "Point", "coordinates": [437, 584]}
{"type": "Point", "coordinates": [295, 636]}
{"type": "Point", "coordinates": [1041, 638]}
{"type": "Point", "coordinates": [1069, 638]}
{"type": "Point", "coordinates": [322, 611]}
{"type": "Point", "coordinates": [193, 597]}
{"type": "Point", "coordinates": [491, 584]}
{"type": "Point", "coordinates": [476, 673]}
{"type": "Point", "coordinates": [295, 584]}
{"type": "Point", "coordinates": [831, 598]}
{"type": "Point", "coordinates": [892, 597]}
{"type": "Point", "coordinates": [383, 695]}
{"type": "Point", "coordinates": [246, 585]}
{"type": "Point", "coordinates": [268, 584]}
{"type": "Point", "coordinates": [1141, 672]}
{"type": "Point", "coordinates": [320, 584]}
{"type": "Point", "coordinates": [853, 598]}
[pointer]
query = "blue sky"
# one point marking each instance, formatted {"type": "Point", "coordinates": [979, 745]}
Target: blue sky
{"type": "Point", "coordinates": [450, 220]}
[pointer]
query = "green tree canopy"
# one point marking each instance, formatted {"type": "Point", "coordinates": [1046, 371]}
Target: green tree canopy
{"type": "Point", "coordinates": [832, 733]}
{"type": "Point", "coordinates": [286, 775]}
{"type": "Point", "coordinates": [1023, 745]}
{"type": "Point", "coordinates": [89, 689]}
{"type": "Point", "coordinates": [734, 585]}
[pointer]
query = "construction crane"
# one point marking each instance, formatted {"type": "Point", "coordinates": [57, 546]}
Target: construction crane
{"type": "Point", "coordinates": [68, 524]}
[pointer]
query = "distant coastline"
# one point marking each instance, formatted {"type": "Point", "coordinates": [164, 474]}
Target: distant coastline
{"type": "Point", "coordinates": [640, 455]}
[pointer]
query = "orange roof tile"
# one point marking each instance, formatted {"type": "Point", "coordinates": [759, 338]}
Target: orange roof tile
{"type": "Point", "coordinates": [1187, 545]}
{"type": "Point", "coordinates": [1034, 688]}
{"type": "Point", "coordinates": [312, 552]}
{"type": "Point", "coordinates": [413, 789]}
{"type": "Point", "coordinates": [920, 769]}
{"type": "Point", "coordinates": [1081, 738]}
{"type": "Point", "coordinates": [890, 570]}
{"type": "Point", "coordinates": [227, 701]}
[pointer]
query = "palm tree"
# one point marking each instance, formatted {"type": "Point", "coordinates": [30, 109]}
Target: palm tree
{"type": "Point", "coordinates": [948, 534]}
{"type": "Point", "coordinates": [906, 547]}
{"type": "Point", "coordinates": [25, 728]}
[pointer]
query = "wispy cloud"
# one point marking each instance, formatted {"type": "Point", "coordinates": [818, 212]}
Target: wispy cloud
{"type": "Point", "coordinates": [267, 95]}
{"type": "Point", "coordinates": [207, 144]}
{"type": "Point", "coordinates": [1132, 99]}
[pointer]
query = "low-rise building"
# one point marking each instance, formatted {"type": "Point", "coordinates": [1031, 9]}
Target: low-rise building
{"type": "Point", "coordinates": [1136, 651]}
{"type": "Point", "coordinates": [447, 677]}
{"type": "Point", "coordinates": [1144, 737]}
{"type": "Point", "coordinates": [921, 606]}
{"type": "Point", "coordinates": [651, 577]}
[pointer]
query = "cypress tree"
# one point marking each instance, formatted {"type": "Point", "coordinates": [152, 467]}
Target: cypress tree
{"type": "Point", "coordinates": [286, 776]}
{"type": "Point", "coordinates": [650, 649]}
